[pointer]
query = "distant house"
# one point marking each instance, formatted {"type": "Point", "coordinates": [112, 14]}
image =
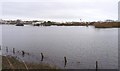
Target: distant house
{"type": "Point", "coordinates": [108, 20]}
{"type": "Point", "coordinates": [3, 21]}
{"type": "Point", "coordinates": [37, 23]}
{"type": "Point", "coordinates": [19, 23]}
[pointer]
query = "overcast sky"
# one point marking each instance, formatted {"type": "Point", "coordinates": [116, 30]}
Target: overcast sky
{"type": "Point", "coordinates": [59, 10]}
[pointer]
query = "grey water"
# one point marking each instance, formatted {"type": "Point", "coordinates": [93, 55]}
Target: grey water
{"type": "Point", "coordinates": [82, 46]}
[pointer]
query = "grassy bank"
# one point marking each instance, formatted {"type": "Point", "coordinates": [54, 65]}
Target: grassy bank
{"type": "Point", "coordinates": [107, 25]}
{"type": "Point", "coordinates": [9, 62]}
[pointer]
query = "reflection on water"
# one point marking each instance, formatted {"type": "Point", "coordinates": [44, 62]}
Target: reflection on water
{"type": "Point", "coordinates": [82, 46]}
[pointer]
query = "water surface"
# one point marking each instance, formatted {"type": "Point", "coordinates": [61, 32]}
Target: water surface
{"type": "Point", "coordinates": [82, 46]}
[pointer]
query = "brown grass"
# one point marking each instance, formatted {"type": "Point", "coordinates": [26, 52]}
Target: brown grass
{"type": "Point", "coordinates": [107, 24]}
{"type": "Point", "coordinates": [20, 65]}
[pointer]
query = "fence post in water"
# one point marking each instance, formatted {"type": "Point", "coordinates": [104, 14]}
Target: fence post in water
{"type": "Point", "coordinates": [42, 56]}
{"type": "Point", "coordinates": [23, 53]}
{"type": "Point", "coordinates": [13, 50]}
{"type": "Point", "coordinates": [96, 65]}
{"type": "Point", "coordinates": [6, 49]}
{"type": "Point", "coordinates": [65, 61]}
{"type": "Point", "coordinates": [0, 47]}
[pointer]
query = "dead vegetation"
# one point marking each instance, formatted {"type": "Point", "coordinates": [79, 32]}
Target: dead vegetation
{"type": "Point", "coordinates": [107, 24]}
{"type": "Point", "coordinates": [9, 62]}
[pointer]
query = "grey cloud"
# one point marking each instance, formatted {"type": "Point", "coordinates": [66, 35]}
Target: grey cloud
{"type": "Point", "coordinates": [61, 9]}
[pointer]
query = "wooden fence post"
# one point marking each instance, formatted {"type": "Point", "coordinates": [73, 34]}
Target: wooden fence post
{"type": "Point", "coordinates": [65, 60]}
{"type": "Point", "coordinates": [6, 49]}
{"type": "Point", "coordinates": [42, 56]}
{"type": "Point", "coordinates": [96, 65]}
{"type": "Point", "coordinates": [23, 53]}
{"type": "Point", "coordinates": [0, 48]}
{"type": "Point", "coordinates": [13, 50]}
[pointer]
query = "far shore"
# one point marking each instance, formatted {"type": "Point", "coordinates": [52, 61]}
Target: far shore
{"type": "Point", "coordinates": [107, 25]}
{"type": "Point", "coordinates": [95, 24]}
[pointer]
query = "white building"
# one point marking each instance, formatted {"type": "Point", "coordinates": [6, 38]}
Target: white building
{"type": "Point", "coordinates": [119, 11]}
{"type": "Point", "coordinates": [3, 21]}
{"type": "Point", "coordinates": [36, 23]}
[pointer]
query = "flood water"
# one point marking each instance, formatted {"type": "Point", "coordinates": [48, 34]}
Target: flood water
{"type": "Point", "coordinates": [82, 46]}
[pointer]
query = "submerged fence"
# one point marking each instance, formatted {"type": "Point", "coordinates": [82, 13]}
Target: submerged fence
{"type": "Point", "coordinates": [21, 54]}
